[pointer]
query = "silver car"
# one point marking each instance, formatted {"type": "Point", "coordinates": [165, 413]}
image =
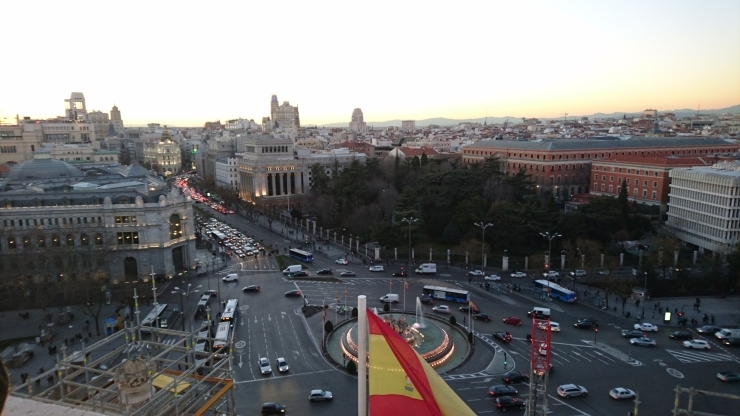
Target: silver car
{"type": "Point", "coordinates": [643, 342]}
{"type": "Point", "coordinates": [265, 366]}
{"type": "Point", "coordinates": [319, 395]}
{"type": "Point", "coordinates": [282, 365]}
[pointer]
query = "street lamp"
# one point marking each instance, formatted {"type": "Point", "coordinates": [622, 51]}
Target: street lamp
{"type": "Point", "coordinates": [483, 239]}
{"type": "Point", "coordinates": [185, 293]}
{"type": "Point", "coordinates": [549, 238]}
{"type": "Point", "coordinates": [644, 290]}
{"type": "Point", "coordinates": [409, 221]}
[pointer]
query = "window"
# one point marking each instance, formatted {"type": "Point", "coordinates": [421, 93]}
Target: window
{"type": "Point", "coordinates": [611, 179]}
{"type": "Point", "coordinates": [636, 190]}
{"type": "Point", "coordinates": [42, 241]}
{"type": "Point", "coordinates": [603, 178]}
{"type": "Point", "coordinates": [175, 227]}
{"type": "Point", "coordinates": [644, 193]}
{"type": "Point", "coordinates": [11, 243]}
{"type": "Point", "coordinates": [628, 181]}
{"type": "Point", "coordinates": [127, 238]}
{"type": "Point", "coordinates": [70, 240]}
{"type": "Point", "coordinates": [611, 189]}
{"type": "Point", "coordinates": [98, 239]}
{"type": "Point", "coordinates": [126, 219]}
{"type": "Point", "coordinates": [55, 241]}
{"type": "Point", "coordinates": [596, 177]}
{"type": "Point", "coordinates": [602, 186]}
{"type": "Point", "coordinates": [26, 242]}
{"type": "Point", "coordinates": [84, 240]}
{"type": "Point", "coordinates": [655, 195]}
{"type": "Point", "coordinates": [644, 183]}
{"type": "Point", "coordinates": [655, 184]}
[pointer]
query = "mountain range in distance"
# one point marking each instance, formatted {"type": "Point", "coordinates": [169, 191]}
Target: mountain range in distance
{"type": "Point", "coordinates": [441, 121]}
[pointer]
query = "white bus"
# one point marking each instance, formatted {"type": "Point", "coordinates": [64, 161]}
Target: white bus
{"type": "Point", "coordinates": [221, 339]}
{"type": "Point", "coordinates": [151, 319]}
{"type": "Point", "coordinates": [230, 313]}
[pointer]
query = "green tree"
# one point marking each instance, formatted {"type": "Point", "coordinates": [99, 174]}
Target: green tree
{"type": "Point", "coordinates": [453, 320]}
{"type": "Point", "coordinates": [416, 162]}
{"type": "Point", "coordinates": [351, 367]}
{"type": "Point", "coordinates": [354, 312]}
{"type": "Point", "coordinates": [424, 159]}
{"type": "Point", "coordinates": [386, 307]}
{"type": "Point", "coordinates": [623, 201]}
{"type": "Point", "coordinates": [328, 326]}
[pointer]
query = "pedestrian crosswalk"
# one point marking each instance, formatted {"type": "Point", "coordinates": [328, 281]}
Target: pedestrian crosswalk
{"type": "Point", "coordinates": [687, 356]}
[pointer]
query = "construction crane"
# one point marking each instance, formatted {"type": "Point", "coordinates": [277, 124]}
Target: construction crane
{"type": "Point", "coordinates": [565, 116]}
{"type": "Point", "coordinates": [539, 358]}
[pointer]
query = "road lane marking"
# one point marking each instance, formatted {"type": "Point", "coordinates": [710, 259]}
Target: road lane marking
{"type": "Point", "coordinates": [283, 376]}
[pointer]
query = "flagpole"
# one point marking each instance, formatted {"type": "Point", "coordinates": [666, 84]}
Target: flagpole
{"type": "Point", "coordinates": [361, 355]}
{"type": "Point", "coordinates": [404, 295]}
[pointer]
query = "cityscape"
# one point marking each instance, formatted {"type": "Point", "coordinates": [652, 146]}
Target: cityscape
{"type": "Point", "coordinates": [401, 209]}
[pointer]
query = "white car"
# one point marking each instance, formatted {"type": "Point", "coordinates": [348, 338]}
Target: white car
{"type": "Point", "coordinates": [475, 273]}
{"type": "Point", "coordinates": [554, 326]}
{"type": "Point", "coordinates": [231, 278]}
{"type": "Point", "coordinates": [319, 395]}
{"type": "Point", "coordinates": [552, 273]}
{"type": "Point", "coordinates": [647, 327]}
{"type": "Point", "coordinates": [441, 309]}
{"type": "Point", "coordinates": [620, 393]}
{"type": "Point", "coordinates": [282, 365]}
{"type": "Point", "coordinates": [519, 274]}
{"type": "Point", "coordinates": [699, 344]}
{"type": "Point", "coordinates": [543, 349]}
{"type": "Point", "coordinates": [492, 277]}
{"type": "Point", "coordinates": [341, 261]}
{"type": "Point", "coordinates": [264, 366]}
{"type": "Point", "coordinates": [377, 268]}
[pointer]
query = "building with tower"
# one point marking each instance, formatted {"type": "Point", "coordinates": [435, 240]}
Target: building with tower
{"type": "Point", "coordinates": [100, 123]}
{"type": "Point", "coordinates": [75, 107]}
{"type": "Point", "coordinates": [283, 115]}
{"type": "Point", "coordinates": [358, 121]}
{"type": "Point", "coordinates": [115, 118]}
{"type": "Point", "coordinates": [164, 155]}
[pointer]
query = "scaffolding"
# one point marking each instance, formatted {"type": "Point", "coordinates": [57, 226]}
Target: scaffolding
{"type": "Point", "coordinates": [539, 369]}
{"type": "Point", "coordinates": [689, 410]}
{"type": "Point", "coordinates": [181, 380]}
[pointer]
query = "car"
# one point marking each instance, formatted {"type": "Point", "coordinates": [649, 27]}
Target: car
{"type": "Point", "coordinates": [282, 365]}
{"type": "Point", "coordinates": [377, 268]}
{"type": "Point", "coordinates": [646, 326]}
{"type": "Point", "coordinates": [325, 271]}
{"type": "Point", "coordinates": [709, 329]}
{"type": "Point", "coordinates": [441, 309]}
{"type": "Point", "coordinates": [502, 390]}
{"type": "Point", "coordinates": [293, 293]}
{"type": "Point", "coordinates": [571, 390]}
{"type": "Point", "coordinates": [543, 349]}
{"type": "Point", "coordinates": [341, 261]}
{"type": "Point", "coordinates": [512, 320]}
{"type": "Point", "coordinates": [578, 273]}
{"type": "Point", "coordinates": [620, 393]}
{"type": "Point", "coordinates": [643, 342]}
{"type": "Point", "coordinates": [502, 336]}
{"type": "Point", "coordinates": [512, 377]}
{"type": "Point", "coordinates": [475, 273]}
{"type": "Point", "coordinates": [300, 273]}
{"type": "Point", "coordinates": [632, 333]}
{"type": "Point", "coordinates": [518, 274]}
{"type": "Point", "coordinates": [554, 326]}
{"type": "Point", "coordinates": [539, 369]}
{"type": "Point", "coordinates": [264, 364]}
{"type": "Point", "coordinates": [426, 300]}
{"type": "Point", "coordinates": [251, 288]}
{"type": "Point", "coordinates": [698, 344]}
{"type": "Point", "coordinates": [731, 342]}
{"type": "Point", "coordinates": [482, 317]}
{"type": "Point", "coordinates": [492, 277]}
{"type": "Point", "coordinates": [231, 278]}
{"type": "Point", "coordinates": [728, 376]}
{"type": "Point", "coordinates": [681, 335]}
{"type": "Point", "coordinates": [550, 274]}
{"type": "Point", "coordinates": [586, 325]}
{"type": "Point", "coordinates": [400, 273]}
{"type": "Point", "coordinates": [212, 292]}
{"type": "Point", "coordinates": [319, 396]}
{"type": "Point", "coordinates": [507, 402]}
{"type": "Point", "coordinates": [603, 272]}
{"type": "Point", "coordinates": [272, 408]}
{"type": "Point", "coordinates": [468, 308]}
{"type": "Point", "coordinates": [348, 273]}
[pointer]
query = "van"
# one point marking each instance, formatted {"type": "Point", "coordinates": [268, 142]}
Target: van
{"type": "Point", "coordinates": [427, 268]}
{"type": "Point", "coordinates": [727, 333]}
{"type": "Point", "coordinates": [389, 298]}
{"type": "Point", "coordinates": [539, 313]}
{"type": "Point", "coordinates": [293, 268]}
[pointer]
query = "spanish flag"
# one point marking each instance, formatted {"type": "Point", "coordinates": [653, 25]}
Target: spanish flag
{"type": "Point", "coordinates": [401, 382]}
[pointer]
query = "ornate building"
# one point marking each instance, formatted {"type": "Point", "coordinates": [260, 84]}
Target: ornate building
{"type": "Point", "coordinates": [358, 121]}
{"type": "Point", "coordinates": [164, 156]}
{"type": "Point", "coordinates": [115, 118]}
{"type": "Point", "coordinates": [283, 115]}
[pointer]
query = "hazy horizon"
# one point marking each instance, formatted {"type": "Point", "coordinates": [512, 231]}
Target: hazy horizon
{"type": "Point", "coordinates": [184, 66]}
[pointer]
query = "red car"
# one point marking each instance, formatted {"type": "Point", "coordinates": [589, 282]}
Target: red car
{"type": "Point", "coordinates": [512, 320]}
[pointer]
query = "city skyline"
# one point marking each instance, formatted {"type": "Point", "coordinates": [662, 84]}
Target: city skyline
{"type": "Point", "coordinates": [407, 61]}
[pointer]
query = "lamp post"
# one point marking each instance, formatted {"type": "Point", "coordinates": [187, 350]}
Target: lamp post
{"type": "Point", "coordinates": [409, 221]}
{"type": "Point", "coordinates": [574, 275]}
{"type": "Point", "coordinates": [644, 289]}
{"type": "Point", "coordinates": [185, 293]}
{"type": "Point", "coordinates": [483, 240]}
{"type": "Point", "coordinates": [549, 238]}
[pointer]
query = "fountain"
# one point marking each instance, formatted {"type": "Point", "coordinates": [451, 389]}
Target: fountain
{"type": "Point", "coordinates": [419, 315]}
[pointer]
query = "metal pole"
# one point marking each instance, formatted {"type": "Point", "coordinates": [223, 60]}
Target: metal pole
{"type": "Point", "coordinates": [361, 355]}
{"type": "Point", "coordinates": [182, 312]}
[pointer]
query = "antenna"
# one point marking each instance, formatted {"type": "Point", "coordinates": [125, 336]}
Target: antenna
{"type": "Point", "coordinates": [565, 116]}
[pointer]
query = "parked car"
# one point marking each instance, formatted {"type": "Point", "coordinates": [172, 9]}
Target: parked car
{"type": "Point", "coordinates": [348, 273]}
{"type": "Point", "coordinates": [728, 376]}
{"type": "Point", "coordinates": [681, 335]}
{"type": "Point", "coordinates": [325, 271]}
{"type": "Point", "coordinates": [578, 273]}
{"type": "Point", "coordinates": [300, 273]}
{"type": "Point", "coordinates": [475, 273]}
{"type": "Point", "coordinates": [341, 261]}
{"type": "Point", "coordinates": [502, 390]}
{"type": "Point", "coordinates": [698, 344]}
{"type": "Point", "coordinates": [571, 390]}
{"type": "Point", "coordinates": [319, 396]}
{"type": "Point", "coordinates": [492, 277]}
{"type": "Point", "coordinates": [518, 274]}
{"type": "Point", "coordinates": [264, 365]}
{"type": "Point", "coordinates": [551, 273]}
{"type": "Point", "coordinates": [620, 393]}
{"type": "Point", "coordinates": [251, 288]}
{"type": "Point", "coordinates": [643, 342]}
{"type": "Point", "coordinates": [646, 326]}
{"type": "Point", "coordinates": [603, 272]}
{"type": "Point", "coordinates": [507, 402]}
{"type": "Point", "coordinates": [512, 320]}
{"type": "Point", "coordinates": [632, 333]}
{"type": "Point", "coordinates": [282, 365]}
{"type": "Point", "coordinates": [515, 377]}
{"type": "Point", "coordinates": [272, 408]}
{"type": "Point", "coordinates": [293, 293]}
{"type": "Point", "coordinates": [442, 309]}
{"type": "Point", "coordinates": [377, 268]}
{"type": "Point", "coordinates": [482, 317]}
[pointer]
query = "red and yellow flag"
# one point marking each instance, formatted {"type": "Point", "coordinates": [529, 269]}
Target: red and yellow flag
{"type": "Point", "coordinates": [401, 382]}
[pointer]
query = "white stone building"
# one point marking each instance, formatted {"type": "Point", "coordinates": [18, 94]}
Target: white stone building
{"type": "Point", "coordinates": [358, 121]}
{"type": "Point", "coordinates": [704, 206]}
{"type": "Point", "coordinates": [164, 156]}
{"type": "Point", "coordinates": [226, 173]}
{"type": "Point", "coordinates": [408, 125]}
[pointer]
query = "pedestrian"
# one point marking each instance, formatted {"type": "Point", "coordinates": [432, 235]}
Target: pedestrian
{"type": "Point", "coordinates": [50, 379]}
{"type": "Point", "coordinates": [655, 307]}
{"type": "Point", "coordinates": [463, 319]}
{"type": "Point", "coordinates": [712, 319]}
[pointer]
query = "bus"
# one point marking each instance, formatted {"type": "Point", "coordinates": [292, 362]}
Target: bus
{"type": "Point", "coordinates": [152, 317]}
{"type": "Point", "coordinates": [446, 293]}
{"type": "Point", "coordinates": [301, 255]}
{"type": "Point", "coordinates": [219, 236]}
{"type": "Point", "coordinates": [556, 291]}
{"type": "Point", "coordinates": [230, 313]}
{"type": "Point", "coordinates": [221, 339]}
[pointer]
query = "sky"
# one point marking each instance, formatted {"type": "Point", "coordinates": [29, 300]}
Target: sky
{"type": "Point", "coordinates": [184, 62]}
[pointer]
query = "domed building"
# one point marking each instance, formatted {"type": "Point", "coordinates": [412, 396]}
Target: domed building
{"type": "Point", "coordinates": [164, 156]}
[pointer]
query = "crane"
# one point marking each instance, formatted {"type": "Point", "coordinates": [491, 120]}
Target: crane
{"type": "Point", "coordinates": [565, 116]}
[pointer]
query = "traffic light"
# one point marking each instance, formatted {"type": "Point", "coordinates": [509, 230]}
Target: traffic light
{"type": "Point", "coordinates": [504, 359]}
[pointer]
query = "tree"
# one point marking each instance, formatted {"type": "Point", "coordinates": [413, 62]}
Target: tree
{"type": "Point", "coordinates": [351, 367]}
{"type": "Point", "coordinates": [623, 201]}
{"type": "Point", "coordinates": [424, 159]}
{"type": "Point", "coordinates": [453, 320]}
{"type": "Point", "coordinates": [328, 326]}
{"type": "Point", "coordinates": [354, 312]}
{"type": "Point", "coordinates": [386, 307]}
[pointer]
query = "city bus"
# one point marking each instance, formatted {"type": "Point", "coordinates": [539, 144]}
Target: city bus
{"type": "Point", "coordinates": [446, 293]}
{"type": "Point", "coordinates": [219, 236]}
{"type": "Point", "coordinates": [221, 339]}
{"type": "Point", "coordinates": [301, 255]}
{"type": "Point", "coordinates": [152, 318]}
{"type": "Point", "coordinates": [556, 291]}
{"type": "Point", "coordinates": [230, 313]}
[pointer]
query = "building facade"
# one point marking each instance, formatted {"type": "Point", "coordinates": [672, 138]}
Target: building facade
{"type": "Point", "coordinates": [283, 115]}
{"type": "Point", "coordinates": [100, 123]}
{"type": "Point", "coordinates": [75, 107]}
{"type": "Point", "coordinates": [704, 206]}
{"type": "Point", "coordinates": [358, 121]}
{"type": "Point", "coordinates": [226, 175]}
{"type": "Point", "coordinates": [408, 125]}
{"type": "Point", "coordinates": [115, 118]}
{"type": "Point", "coordinates": [164, 156]}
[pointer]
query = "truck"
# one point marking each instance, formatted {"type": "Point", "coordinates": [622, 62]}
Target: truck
{"type": "Point", "coordinates": [293, 268]}
{"type": "Point", "coordinates": [389, 298]}
{"type": "Point", "coordinates": [427, 268]}
{"type": "Point", "coordinates": [727, 333]}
